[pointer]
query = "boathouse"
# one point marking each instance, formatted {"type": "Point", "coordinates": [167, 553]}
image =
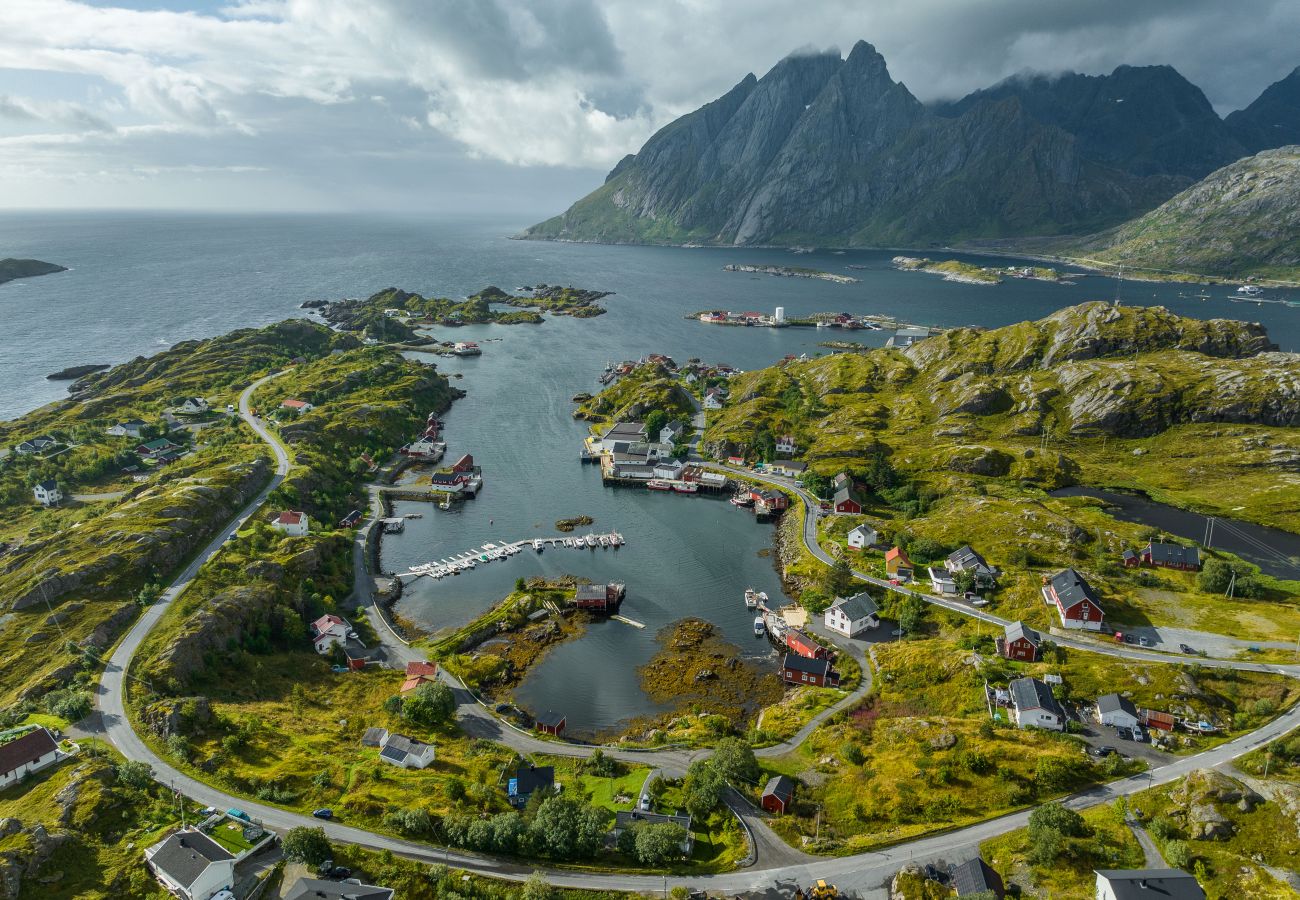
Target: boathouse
{"type": "Point", "coordinates": [796, 669]}
{"type": "Point", "coordinates": [464, 464]}
{"type": "Point", "coordinates": [847, 500]}
{"type": "Point", "coordinates": [598, 597]}
{"type": "Point", "coordinates": [804, 645]}
{"type": "Point", "coordinates": [550, 722]}
{"type": "Point", "coordinates": [777, 794]}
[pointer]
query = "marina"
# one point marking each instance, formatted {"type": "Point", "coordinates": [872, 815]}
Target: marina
{"type": "Point", "coordinates": [491, 552]}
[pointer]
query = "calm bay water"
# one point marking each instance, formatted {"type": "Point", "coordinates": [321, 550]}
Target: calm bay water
{"type": "Point", "coordinates": [141, 282]}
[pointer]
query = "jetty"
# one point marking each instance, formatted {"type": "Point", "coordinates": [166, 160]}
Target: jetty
{"type": "Point", "coordinates": [491, 552]}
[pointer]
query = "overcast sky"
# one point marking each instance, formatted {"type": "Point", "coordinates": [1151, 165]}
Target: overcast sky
{"type": "Point", "coordinates": [500, 105]}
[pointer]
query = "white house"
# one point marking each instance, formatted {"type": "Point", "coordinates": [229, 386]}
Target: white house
{"type": "Point", "coordinates": [406, 752]}
{"type": "Point", "coordinates": [292, 523]}
{"type": "Point", "coordinates": [853, 615]}
{"type": "Point", "coordinates": [192, 406]}
{"type": "Point", "coordinates": [1112, 709]}
{"type": "Point", "coordinates": [862, 536]}
{"type": "Point", "coordinates": [669, 468]}
{"type": "Point", "coordinates": [133, 428]}
{"type": "Point", "coordinates": [191, 865]}
{"type": "Point", "coordinates": [967, 559]}
{"type": "Point", "coordinates": [713, 398]}
{"type": "Point", "coordinates": [329, 630]}
{"type": "Point", "coordinates": [672, 431]}
{"type": "Point", "coordinates": [47, 493]}
{"type": "Point", "coordinates": [298, 406]}
{"type": "Point", "coordinates": [785, 444]}
{"type": "Point", "coordinates": [1035, 707]}
{"type": "Point", "coordinates": [943, 583]}
{"type": "Point", "coordinates": [30, 753]}
{"type": "Point", "coordinates": [1127, 884]}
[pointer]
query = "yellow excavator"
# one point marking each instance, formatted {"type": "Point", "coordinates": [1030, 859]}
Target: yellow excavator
{"type": "Point", "coordinates": [819, 891]}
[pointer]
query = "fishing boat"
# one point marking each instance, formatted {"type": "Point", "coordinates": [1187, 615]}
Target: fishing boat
{"type": "Point", "coordinates": [591, 540]}
{"type": "Point", "coordinates": [1250, 290]}
{"type": "Point", "coordinates": [659, 484]}
{"type": "Point", "coordinates": [759, 627]}
{"type": "Point", "coordinates": [751, 598]}
{"type": "Point", "coordinates": [743, 500]}
{"type": "Point", "coordinates": [616, 539]}
{"type": "Point", "coordinates": [685, 487]}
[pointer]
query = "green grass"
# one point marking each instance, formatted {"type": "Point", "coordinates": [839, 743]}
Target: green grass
{"type": "Point", "coordinates": [231, 836]}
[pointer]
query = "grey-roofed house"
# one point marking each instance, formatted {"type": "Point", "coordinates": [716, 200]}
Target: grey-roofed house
{"type": "Point", "coordinates": [1112, 709]}
{"type": "Point", "coordinates": [672, 431]}
{"type": "Point", "coordinates": [1020, 642]}
{"type": "Point", "coordinates": [622, 432]}
{"type": "Point", "coordinates": [1035, 707]}
{"type": "Point", "coordinates": [1171, 556]}
{"type": "Point", "coordinates": [850, 616]}
{"type": "Point", "coordinates": [630, 818]}
{"type": "Point", "coordinates": [847, 500]}
{"type": "Point", "coordinates": [352, 889]}
{"type": "Point", "coordinates": [1075, 600]}
{"type": "Point", "coordinates": [374, 737]}
{"type": "Point", "coordinates": [408, 753]}
{"type": "Point", "coordinates": [1147, 884]}
{"type": "Point", "coordinates": [191, 865]}
{"type": "Point", "coordinates": [976, 876]}
{"type": "Point", "coordinates": [528, 780]}
{"type": "Point", "coordinates": [967, 559]}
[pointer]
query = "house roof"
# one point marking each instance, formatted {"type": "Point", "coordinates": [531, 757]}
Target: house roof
{"type": "Point", "coordinates": [792, 464]}
{"type": "Point", "coordinates": [421, 668]}
{"type": "Point", "coordinates": [864, 529]}
{"type": "Point", "coordinates": [1071, 589]}
{"type": "Point", "coordinates": [156, 444]}
{"type": "Point", "coordinates": [779, 786]}
{"type": "Point", "coordinates": [1108, 703]}
{"type": "Point", "coordinates": [859, 606]}
{"type": "Point", "coordinates": [1175, 554]}
{"type": "Point", "coordinates": [591, 592]}
{"type": "Point", "coordinates": [899, 554]}
{"type": "Point", "coordinates": [374, 737]}
{"type": "Point", "coordinates": [940, 575]}
{"type": "Point", "coordinates": [532, 778]}
{"type": "Point", "coordinates": [23, 750]}
{"type": "Point", "coordinates": [393, 754]}
{"type": "Point", "coordinates": [848, 492]}
{"type": "Point", "coordinates": [1019, 630]}
{"type": "Point", "coordinates": [967, 558]}
{"type": "Point", "coordinates": [405, 745]}
{"type": "Point", "coordinates": [626, 818]}
{"type": "Point", "coordinates": [295, 404]}
{"type": "Point", "coordinates": [550, 718]}
{"type": "Point", "coordinates": [797, 663]}
{"type": "Point", "coordinates": [414, 681]}
{"type": "Point", "coordinates": [290, 517]}
{"type": "Point", "coordinates": [976, 875]}
{"type": "Point", "coordinates": [631, 431]}
{"type": "Point", "coordinates": [316, 889]}
{"type": "Point", "coordinates": [48, 485]}
{"type": "Point", "coordinates": [1030, 693]}
{"type": "Point", "coordinates": [326, 622]}
{"type": "Point", "coordinates": [1146, 884]}
{"type": "Point", "coordinates": [185, 855]}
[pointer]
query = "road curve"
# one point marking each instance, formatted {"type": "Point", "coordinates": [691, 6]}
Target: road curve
{"type": "Point", "coordinates": [864, 873]}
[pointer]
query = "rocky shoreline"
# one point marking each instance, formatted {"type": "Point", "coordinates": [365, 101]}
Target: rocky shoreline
{"type": "Point", "coordinates": [790, 272]}
{"type": "Point", "coordinates": [72, 373]}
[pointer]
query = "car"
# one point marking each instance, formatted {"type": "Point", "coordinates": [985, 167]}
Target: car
{"type": "Point", "coordinates": [646, 803]}
{"type": "Point", "coordinates": [1139, 735]}
{"type": "Point", "coordinates": [503, 707]}
{"type": "Point", "coordinates": [325, 867]}
{"type": "Point", "coordinates": [895, 582]}
{"type": "Point", "coordinates": [323, 813]}
{"type": "Point", "coordinates": [1187, 649]}
{"type": "Point", "coordinates": [338, 670]}
{"type": "Point", "coordinates": [1123, 733]}
{"type": "Point", "coordinates": [340, 872]}
{"type": "Point", "coordinates": [1144, 641]}
{"type": "Point", "coordinates": [1104, 750]}
{"type": "Point", "coordinates": [230, 407]}
{"type": "Point", "coordinates": [1128, 638]}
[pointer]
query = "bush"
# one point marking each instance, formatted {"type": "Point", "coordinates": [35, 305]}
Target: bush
{"type": "Point", "coordinates": [852, 753]}
{"type": "Point", "coordinates": [429, 705]}
{"type": "Point", "coordinates": [411, 821]}
{"type": "Point", "coordinates": [306, 845]}
{"type": "Point", "coordinates": [1178, 854]}
{"type": "Point", "coordinates": [68, 703]}
{"type": "Point", "coordinates": [734, 760]}
{"type": "Point", "coordinates": [134, 774]}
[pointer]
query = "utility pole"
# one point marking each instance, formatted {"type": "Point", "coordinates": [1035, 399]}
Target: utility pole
{"type": "Point", "coordinates": [1232, 584]}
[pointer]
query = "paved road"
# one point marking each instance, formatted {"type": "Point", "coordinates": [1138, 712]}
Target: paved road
{"type": "Point", "coordinates": [863, 873]}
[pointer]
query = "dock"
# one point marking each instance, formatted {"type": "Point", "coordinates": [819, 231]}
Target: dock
{"type": "Point", "coordinates": [626, 621]}
{"type": "Point", "coordinates": [491, 552]}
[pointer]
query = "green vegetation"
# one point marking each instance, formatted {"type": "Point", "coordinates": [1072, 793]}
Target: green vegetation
{"type": "Point", "coordinates": [648, 389]}
{"type": "Point", "coordinates": [557, 300]}
{"type": "Point", "coordinates": [950, 269]}
{"type": "Point", "coordinates": [11, 268]}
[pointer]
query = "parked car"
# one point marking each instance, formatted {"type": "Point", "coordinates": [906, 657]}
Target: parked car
{"type": "Point", "coordinates": [340, 872]}
{"type": "Point", "coordinates": [325, 867]}
{"type": "Point", "coordinates": [1187, 649]}
{"type": "Point", "coordinates": [895, 582]}
{"type": "Point", "coordinates": [1102, 751]}
{"type": "Point", "coordinates": [1144, 641]}
{"type": "Point", "coordinates": [1123, 733]}
{"type": "Point", "coordinates": [338, 669]}
{"type": "Point", "coordinates": [323, 813]}
{"type": "Point", "coordinates": [1140, 735]}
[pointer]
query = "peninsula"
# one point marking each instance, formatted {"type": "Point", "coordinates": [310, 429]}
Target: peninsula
{"type": "Point", "coordinates": [790, 272]}
{"type": "Point", "coordinates": [12, 269]}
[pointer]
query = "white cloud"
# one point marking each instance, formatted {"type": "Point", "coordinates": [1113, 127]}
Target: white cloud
{"type": "Point", "coordinates": [303, 85]}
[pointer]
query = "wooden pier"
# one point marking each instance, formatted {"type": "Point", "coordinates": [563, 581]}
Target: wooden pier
{"type": "Point", "coordinates": [491, 552]}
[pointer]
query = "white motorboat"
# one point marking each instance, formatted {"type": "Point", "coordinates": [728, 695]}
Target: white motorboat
{"type": "Point", "coordinates": [759, 628]}
{"type": "Point", "coordinates": [751, 598]}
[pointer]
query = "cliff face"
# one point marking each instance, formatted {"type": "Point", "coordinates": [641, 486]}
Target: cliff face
{"type": "Point", "coordinates": [1242, 219]}
{"type": "Point", "coordinates": [835, 151]}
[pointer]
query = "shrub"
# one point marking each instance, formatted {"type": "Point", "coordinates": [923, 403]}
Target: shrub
{"type": "Point", "coordinates": [1178, 854]}
{"type": "Point", "coordinates": [429, 705]}
{"type": "Point", "coordinates": [134, 774]}
{"type": "Point", "coordinates": [306, 845]}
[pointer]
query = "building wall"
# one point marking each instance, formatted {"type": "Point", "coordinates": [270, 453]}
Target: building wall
{"type": "Point", "coordinates": [1119, 717]}
{"type": "Point", "coordinates": [25, 769]}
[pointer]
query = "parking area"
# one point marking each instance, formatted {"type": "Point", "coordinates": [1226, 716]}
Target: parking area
{"type": "Point", "coordinates": [1121, 740]}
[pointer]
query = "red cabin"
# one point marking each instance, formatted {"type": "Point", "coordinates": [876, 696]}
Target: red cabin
{"type": "Point", "coordinates": [550, 723]}
{"type": "Point", "coordinates": [804, 645]}
{"type": "Point", "coordinates": [777, 795]}
{"type": "Point", "coordinates": [464, 464]}
{"type": "Point", "coordinates": [1020, 642]}
{"type": "Point", "coordinates": [796, 669]}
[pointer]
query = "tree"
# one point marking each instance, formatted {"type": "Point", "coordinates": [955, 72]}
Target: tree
{"type": "Point", "coordinates": [911, 614]}
{"type": "Point", "coordinates": [409, 821]}
{"type": "Point", "coordinates": [134, 774]}
{"type": "Point", "coordinates": [734, 759]}
{"type": "Point", "coordinates": [1178, 854]}
{"type": "Point", "coordinates": [658, 843]}
{"type": "Point", "coordinates": [1060, 818]}
{"type": "Point", "coordinates": [702, 790]}
{"type": "Point", "coordinates": [654, 423]}
{"type": "Point", "coordinates": [565, 829]}
{"type": "Point", "coordinates": [429, 705]}
{"type": "Point", "coordinates": [306, 845]}
{"type": "Point", "coordinates": [839, 579]}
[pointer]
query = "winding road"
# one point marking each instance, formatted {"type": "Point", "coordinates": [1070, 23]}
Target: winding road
{"type": "Point", "coordinates": [778, 866]}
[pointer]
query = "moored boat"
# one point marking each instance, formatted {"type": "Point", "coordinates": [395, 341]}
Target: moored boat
{"type": "Point", "coordinates": [751, 598]}
{"type": "Point", "coordinates": [659, 484]}
{"type": "Point", "coordinates": [759, 628]}
{"type": "Point", "coordinates": [685, 487]}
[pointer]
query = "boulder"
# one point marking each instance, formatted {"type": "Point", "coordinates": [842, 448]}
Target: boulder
{"type": "Point", "coordinates": [1206, 823]}
{"type": "Point", "coordinates": [977, 460]}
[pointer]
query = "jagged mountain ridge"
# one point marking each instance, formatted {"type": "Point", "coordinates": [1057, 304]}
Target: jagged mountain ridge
{"type": "Point", "coordinates": [836, 152]}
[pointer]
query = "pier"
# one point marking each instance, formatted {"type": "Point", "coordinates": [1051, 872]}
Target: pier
{"type": "Point", "coordinates": [491, 552]}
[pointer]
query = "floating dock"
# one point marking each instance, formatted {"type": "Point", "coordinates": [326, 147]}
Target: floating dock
{"type": "Point", "coordinates": [471, 559]}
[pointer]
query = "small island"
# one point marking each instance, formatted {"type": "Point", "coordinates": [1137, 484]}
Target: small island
{"type": "Point", "coordinates": [560, 301]}
{"type": "Point", "coordinates": [790, 272]}
{"type": "Point", "coordinates": [12, 269]}
{"type": "Point", "coordinates": [950, 269]}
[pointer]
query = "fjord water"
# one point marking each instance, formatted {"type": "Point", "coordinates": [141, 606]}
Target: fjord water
{"type": "Point", "coordinates": [140, 283]}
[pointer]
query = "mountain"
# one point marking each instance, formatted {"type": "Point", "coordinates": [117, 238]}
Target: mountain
{"type": "Point", "coordinates": [11, 269]}
{"type": "Point", "coordinates": [1241, 220]}
{"type": "Point", "coordinates": [834, 151]}
{"type": "Point", "coordinates": [1146, 120]}
{"type": "Point", "coordinates": [1273, 120]}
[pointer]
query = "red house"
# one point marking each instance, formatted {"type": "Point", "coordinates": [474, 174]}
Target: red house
{"type": "Point", "coordinates": [598, 597]}
{"type": "Point", "coordinates": [1020, 642]}
{"type": "Point", "coordinates": [796, 669]}
{"type": "Point", "coordinates": [805, 646]}
{"type": "Point", "coordinates": [777, 795]}
{"type": "Point", "coordinates": [550, 723]}
{"type": "Point", "coordinates": [1171, 556]}
{"type": "Point", "coordinates": [847, 500]}
{"type": "Point", "coordinates": [1075, 600]}
{"type": "Point", "coordinates": [464, 464]}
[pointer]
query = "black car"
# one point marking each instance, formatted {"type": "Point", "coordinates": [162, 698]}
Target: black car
{"type": "Point", "coordinates": [1103, 751]}
{"type": "Point", "coordinates": [1187, 649]}
{"type": "Point", "coordinates": [323, 813]}
{"type": "Point", "coordinates": [340, 872]}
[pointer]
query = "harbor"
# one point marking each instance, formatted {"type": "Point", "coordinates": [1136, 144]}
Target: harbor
{"type": "Point", "coordinates": [491, 552]}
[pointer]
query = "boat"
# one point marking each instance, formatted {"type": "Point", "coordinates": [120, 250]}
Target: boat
{"type": "Point", "coordinates": [744, 500]}
{"type": "Point", "coordinates": [685, 487]}
{"type": "Point", "coordinates": [1250, 290]}
{"type": "Point", "coordinates": [466, 348]}
{"type": "Point", "coordinates": [659, 484]}
{"type": "Point", "coordinates": [751, 598]}
{"type": "Point", "coordinates": [759, 628]}
{"type": "Point", "coordinates": [591, 540]}
{"type": "Point", "coordinates": [616, 539]}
